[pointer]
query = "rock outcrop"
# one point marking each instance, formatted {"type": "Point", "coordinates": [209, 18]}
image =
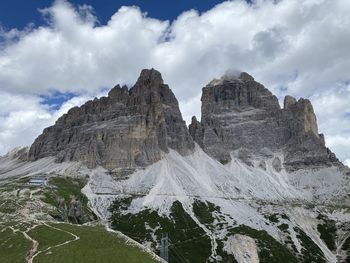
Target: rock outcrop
{"type": "Point", "coordinates": [132, 128]}
{"type": "Point", "coordinates": [240, 116]}
{"type": "Point", "coordinates": [126, 130]}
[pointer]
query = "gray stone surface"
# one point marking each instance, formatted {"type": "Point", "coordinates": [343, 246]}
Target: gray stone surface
{"type": "Point", "coordinates": [132, 128]}
{"type": "Point", "coordinates": [126, 130]}
{"type": "Point", "coordinates": [240, 115]}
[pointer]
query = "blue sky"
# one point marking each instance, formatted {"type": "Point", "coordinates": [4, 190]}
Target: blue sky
{"type": "Point", "coordinates": [13, 16]}
{"type": "Point", "coordinates": [72, 51]}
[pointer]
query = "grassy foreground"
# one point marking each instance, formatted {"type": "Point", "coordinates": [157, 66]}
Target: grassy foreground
{"type": "Point", "coordinates": [95, 244]}
{"type": "Point", "coordinates": [13, 246]}
{"type": "Point", "coordinates": [70, 244]}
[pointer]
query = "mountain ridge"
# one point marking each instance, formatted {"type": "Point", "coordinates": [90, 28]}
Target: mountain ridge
{"type": "Point", "coordinates": [158, 125]}
{"type": "Point", "coordinates": [238, 112]}
{"type": "Point", "coordinates": [249, 174]}
{"type": "Point", "coordinates": [123, 131]}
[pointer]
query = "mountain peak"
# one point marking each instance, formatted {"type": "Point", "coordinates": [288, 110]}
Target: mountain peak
{"type": "Point", "coordinates": [241, 115]}
{"type": "Point", "coordinates": [288, 101]}
{"type": "Point", "coordinates": [231, 76]}
{"type": "Point", "coordinates": [245, 77]}
{"type": "Point", "coordinates": [149, 78]}
{"type": "Point", "coordinates": [132, 128]}
{"type": "Point", "coordinates": [124, 131]}
{"type": "Point", "coordinates": [118, 91]}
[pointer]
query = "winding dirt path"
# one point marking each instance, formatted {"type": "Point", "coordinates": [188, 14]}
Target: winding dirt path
{"type": "Point", "coordinates": [75, 238]}
{"type": "Point", "coordinates": [34, 252]}
{"type": "Point", "coordinates": [34, 248]}
{"type": "Point", "coordinates": [35, 244]}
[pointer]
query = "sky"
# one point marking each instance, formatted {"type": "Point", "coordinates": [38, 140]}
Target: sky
{"type": "Point", "coordinates": [57, 54]}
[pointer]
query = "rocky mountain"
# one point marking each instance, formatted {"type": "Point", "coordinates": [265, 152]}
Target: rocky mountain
{"type": "Point", "coordinates": [241, 116]}
{"type": "Point", "coordinates": [250, 182]}
{"type": "Point", "coordinates": [121, 132]}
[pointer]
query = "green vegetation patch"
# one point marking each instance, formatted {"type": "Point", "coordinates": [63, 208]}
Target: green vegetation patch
{"type": "Point", "coordinates": [283, 227]}
{"type": "Point", "coordinates": [227, 258]}
{"type": "Point", "coordinates": [60, 194]}
{"type": "Point", "coordinates": [15, 183]}
{"type": "Point", "coordinates": [68, 187]}
{"type": "Point", "coordinates": [64, 187]}
{"type": "Point", "coordinates": [273, 218]}
{"type": "Point", "coordinates": [289, 242]}
{"type": "Point", "coordinates": [8, 206]}
{"type": "Point", "coordinates": [284, 216]}
{"type": "Point", "coordinates": [310, 251]}
{"type": "Point", "coordinates": [48, 236]}
{"type": "Point", "coordinates": [204, 211]}
{"type": "Point", "coordinates": [328, 232]}
{"type": "Point", "coordinates": [188, 239]}
{"type": "Point", "coordinates": [224, 161]}
{"type": "Point", "coordinates": [189, 242]}
{"type": "Point", "coordinates": [13, 246]}
{"type": "Point", "coordinates": [346, 247]}
{"type": "Point", "coordinates": [95, 244]}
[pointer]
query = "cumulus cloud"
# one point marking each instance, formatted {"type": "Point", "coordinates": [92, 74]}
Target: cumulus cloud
{"type": "Point", "coordinates": [347, 162]}
{"type": "Point", "coordinates": [22, 118]}
{"type": "Point", "coordinates": [293, 47]}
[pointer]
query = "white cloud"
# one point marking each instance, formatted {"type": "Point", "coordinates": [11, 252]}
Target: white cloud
{"type": "Point", "coordinates": [347, 162]}
{"type": "Point", "coordinates": [301, 46]}
{"type": "Point", "coordinates": [22, 118]}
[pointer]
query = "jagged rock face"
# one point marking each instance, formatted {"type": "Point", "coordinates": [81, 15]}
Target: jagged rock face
{"type": "Point", "coordinates": [127, 129]}
{"type": "Point", "coordinates": [239, 115]}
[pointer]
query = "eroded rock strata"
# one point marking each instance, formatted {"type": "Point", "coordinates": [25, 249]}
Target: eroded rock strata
{"type": "Point", "coordinates": [241, 116]}
{"type": "Point", "coordinates": [131, 128]}
{"type": "Point", "coordinates": [127, 129]}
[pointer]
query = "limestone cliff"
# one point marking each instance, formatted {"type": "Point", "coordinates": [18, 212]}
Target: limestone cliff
{"type": "Point", "coordinates": [132, 128]}
{"type": "Point", "coordinates": [241, 116]}
{"type": "Point", "coordinates": [126, 130]}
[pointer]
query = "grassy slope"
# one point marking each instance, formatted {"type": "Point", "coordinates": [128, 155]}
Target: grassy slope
{"type": "Point", "coordinates": [190, 240]}
{"type": "Point", "coordinates": [310, 251]}
{"type": "Point", "coordinates": [48, 237]}
{"type": "Point", "coordinates": [13, 246]}
{"type": "Point", "coordinates": [327, 231]}
{"type": "Point", "coordinates": [66, 188]}
{"type": "Point", "coordinates": [269, 251]}
{"type": "Point", "coordinates": [95, 245]}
